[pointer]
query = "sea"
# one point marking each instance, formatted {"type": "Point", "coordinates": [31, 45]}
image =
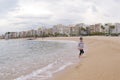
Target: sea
{"type": "Point", "coordinates": [35, 60]}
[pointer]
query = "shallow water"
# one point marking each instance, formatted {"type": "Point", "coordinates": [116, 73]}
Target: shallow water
{"type": "Point", "coordinates": [34, 60]}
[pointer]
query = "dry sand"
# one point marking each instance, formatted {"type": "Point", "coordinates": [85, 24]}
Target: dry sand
{"type": "Point", "coordinates": [102, 61]}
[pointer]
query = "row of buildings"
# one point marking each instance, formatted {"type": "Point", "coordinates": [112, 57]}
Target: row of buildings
{"type": "Point", "coordinates": [70, 30]}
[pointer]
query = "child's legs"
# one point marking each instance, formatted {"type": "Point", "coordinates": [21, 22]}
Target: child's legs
{"type": "Point", "coordinates": [81, 52]}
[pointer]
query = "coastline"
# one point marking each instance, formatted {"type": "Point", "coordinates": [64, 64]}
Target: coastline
{"type": "Point", "coordinates": [55, 67]}
{"type": "Point", "coordinates": [100, 63]}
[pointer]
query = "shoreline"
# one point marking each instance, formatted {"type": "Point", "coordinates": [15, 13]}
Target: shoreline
{"type": "Point", "coordinates": [63, 40]}
{"type": "Point", "coordinates": [60, 68]}
{"type": "Point", "coordinates": [100, 63]}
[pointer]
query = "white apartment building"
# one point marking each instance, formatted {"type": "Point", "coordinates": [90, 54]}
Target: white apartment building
{"type": "Point", "coordinates": [116, 29]}
{"type": "Point", "coordinates": [92, 28]}
{"type": "Point", "coordinates": [98, 28]}
{"type": "Point", "coordinates": [107, 27]}
{"type": "Point", "coordinates": [66, 30]}
{"type": "Point", "coordinates": [58, 29]}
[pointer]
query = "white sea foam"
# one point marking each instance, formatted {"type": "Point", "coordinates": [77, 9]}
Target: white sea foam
{"type": "Point", "coordinates": [62, 67]}
{"type": "Point", "coordinates": [44, 73]}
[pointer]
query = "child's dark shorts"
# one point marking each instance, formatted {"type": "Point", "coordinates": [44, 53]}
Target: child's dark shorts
{"type": "Point", "coordinates": [81, 52]}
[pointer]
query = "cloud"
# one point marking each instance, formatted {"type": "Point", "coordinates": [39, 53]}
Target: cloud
{"type": "Point", "coordinates": [6, 6]}
{"type": "Point", "coordinates": [28, 14]}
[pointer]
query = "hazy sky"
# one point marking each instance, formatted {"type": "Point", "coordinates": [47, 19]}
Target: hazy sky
{"type": "Point", "coordinates": [16, 15]}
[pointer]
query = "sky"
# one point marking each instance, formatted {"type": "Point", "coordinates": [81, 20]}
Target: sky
{"type": "Point", "coordinates": [19, 15]}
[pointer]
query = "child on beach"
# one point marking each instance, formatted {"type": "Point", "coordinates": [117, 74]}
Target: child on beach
{"type": "Point", "coordinates": [81, 46]}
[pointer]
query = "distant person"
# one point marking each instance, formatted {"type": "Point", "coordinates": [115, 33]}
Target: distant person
{"type": "Point", "coordinates": [81, 47]}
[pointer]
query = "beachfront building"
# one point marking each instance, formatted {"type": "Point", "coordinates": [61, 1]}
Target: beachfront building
{"type": "Point", "coordinates": [72, 30]}
{"type": "Point", "coordinates": [22, 34]}
{"type": "Point", "coordinates": [2, 37]}
{"type": "Point", "coordinates": [14, 35]}
{"type": "Point", "coordinates": [87, 30]}
{"type": "Point", "coordinates": [66, 30]}
{"type": "Point", "coordinates": [11, 35]}
{"type": "Point", "coordinates": [98, 28]}
{"type": "Point", "coordinates": [45, 32]}
{"type": "Point", "coordinates": [50, 31]}
{"type": "Point", "coordinates": [6, 35]}
{"type": "Point", "coordinates": [78, 29]}
{"type": "Point", "coordinates": [59, 28]}
{"type": "Point", "coordinates": [40, 31]}
{"type": "Point", "coordinates": [31, 33]}
{"type": "Point", "coordinates": [92, 28]}
{"type": "Point", "coordinates": [116, 29]}
{"type": "Point", "coordinates": [107, 27]}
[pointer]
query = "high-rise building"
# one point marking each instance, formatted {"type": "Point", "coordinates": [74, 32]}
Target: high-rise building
{"type": "Point", "coordinates": [116, 28]}
{"type": "Point", "coordinates": [98, 28]}
{"type": "Point", "coordinates": [59, 28]}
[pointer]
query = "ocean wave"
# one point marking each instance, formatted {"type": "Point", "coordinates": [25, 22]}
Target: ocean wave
{"type": "Point", "coordinates": [45, 72]}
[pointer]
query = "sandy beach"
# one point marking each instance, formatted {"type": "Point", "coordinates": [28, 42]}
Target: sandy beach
{"type": "Point", "coordinates": [100, 63]}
